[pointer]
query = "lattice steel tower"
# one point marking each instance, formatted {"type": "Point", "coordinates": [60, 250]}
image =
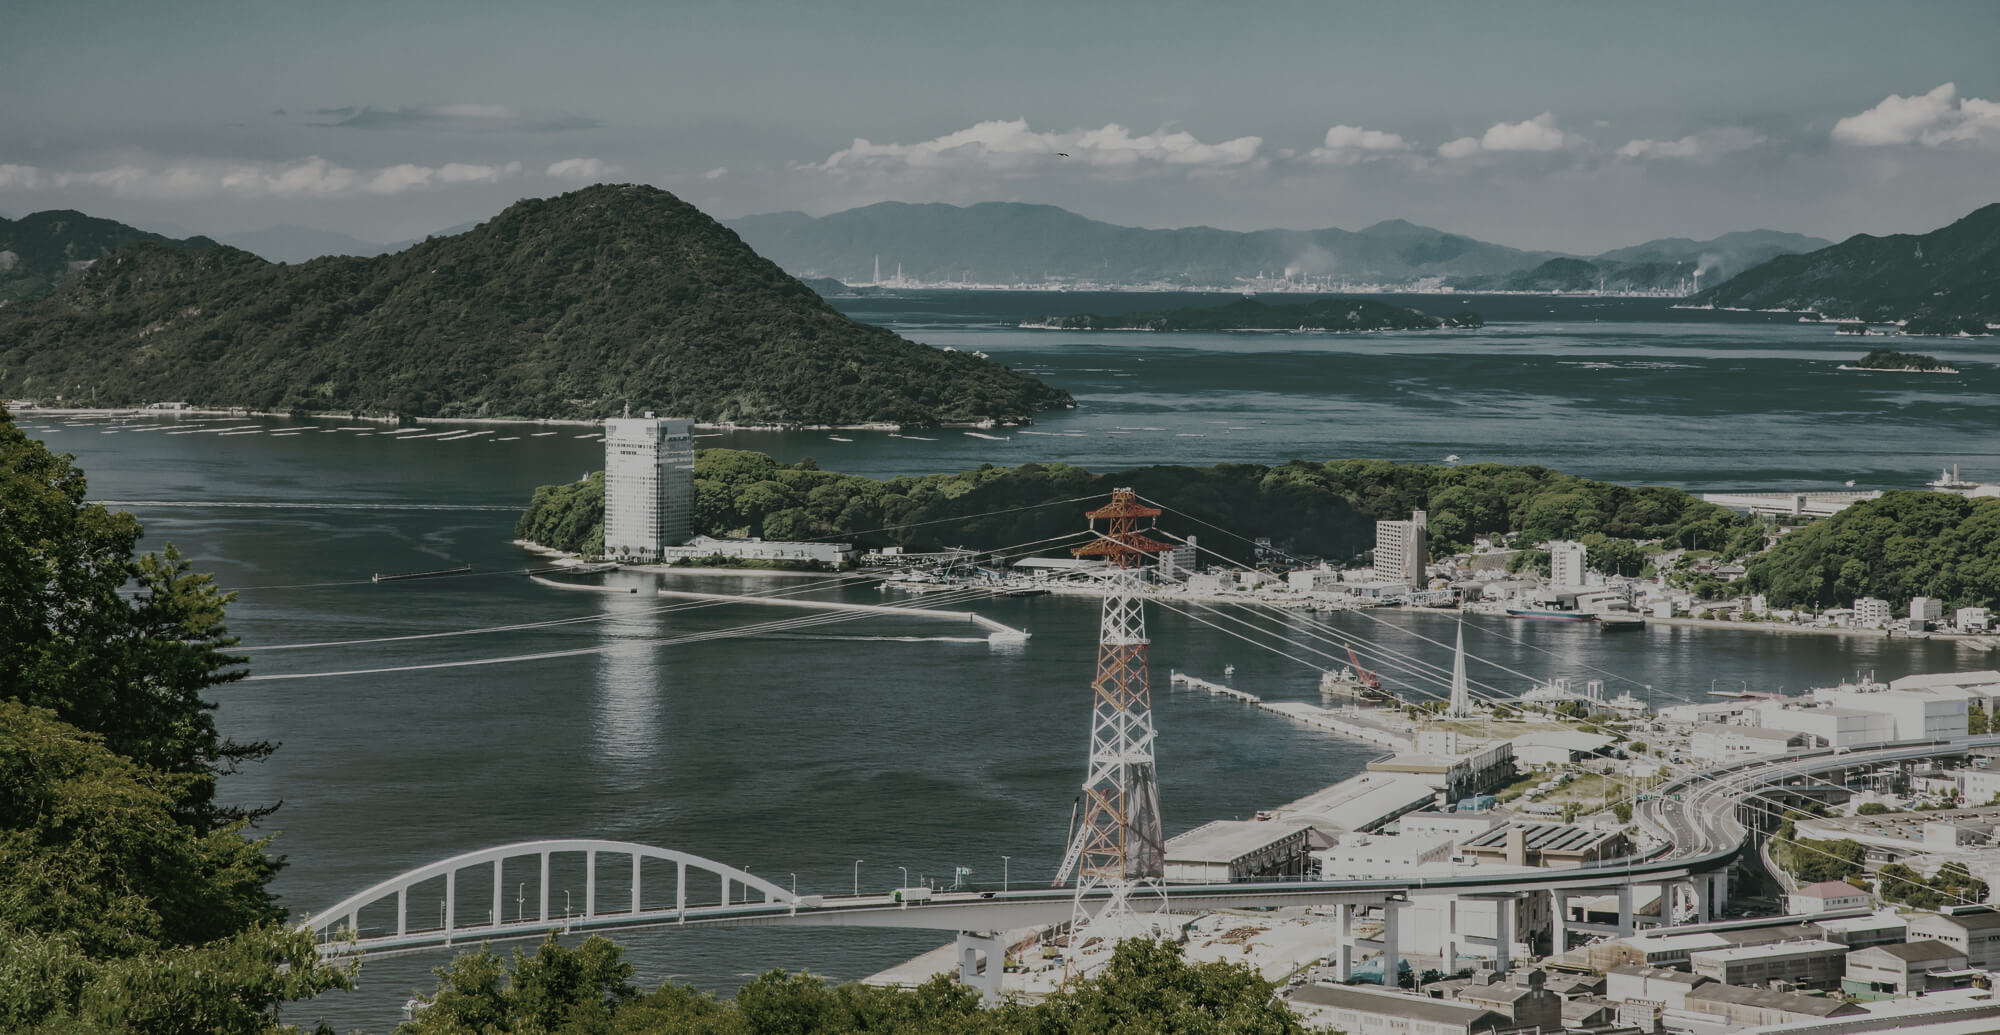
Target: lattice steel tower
{"type": "Point", "coordinates": [1119, 848]}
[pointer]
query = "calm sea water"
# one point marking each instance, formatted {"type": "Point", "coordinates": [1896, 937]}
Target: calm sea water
{"type": "Point", "coordinates": [893, 741]}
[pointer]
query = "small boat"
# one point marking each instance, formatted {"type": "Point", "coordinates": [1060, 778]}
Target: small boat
{"type": "Point", "coordinates": [837, 438]}
{"type": "Point", "coordinates": [379, 577]}
{"type": "Point", "coordinates": [1620, 622]}
{"type": "Point", "coordinates": [1228, 670]}
{"type": "Point", "coordinates": [1541, 615]}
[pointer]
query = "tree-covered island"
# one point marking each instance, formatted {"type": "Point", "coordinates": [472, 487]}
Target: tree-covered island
{"type": "Point", "coordinates": [1890, 359]}
{"type": "Point", "coordinates": [1248, 314]}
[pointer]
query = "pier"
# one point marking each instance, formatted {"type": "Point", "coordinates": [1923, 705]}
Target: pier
{"type": "Point", "coordinates": [998, 633]}
{"type": "Point", "coordinates": [1183, 679]}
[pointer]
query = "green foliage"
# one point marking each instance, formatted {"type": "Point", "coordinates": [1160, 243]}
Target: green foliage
{"type": "Point", "coordinates": [131, 668]}
{"type": "Point", "coordinates": [128, 900]}
{"type": "Point", "coordinates": [571, 306]}
{"type": "Point", "coordinates": [1978, 721]}
{"type": "Point", "coordinates": [1951, 886]}
{"type": "Point", "coordinates": [1622, 810]}
{"type": "Point", "coordinates": [1872, 808]}
{"type": "Point", "coordinates": [1890, 359]}
{"type": "Point", "coordinates": [1146, 987]}
{"type": "Point", "coordinates": [1248, 314]}
{"type": "Point", "coordinates": [1904, 544]}
{"type": "Point", "coordinates": [1313, 509]}
{"type": "Point", "coordinates": [46, 246]}
{"type": "Point", "coordinates": [1813, 861]}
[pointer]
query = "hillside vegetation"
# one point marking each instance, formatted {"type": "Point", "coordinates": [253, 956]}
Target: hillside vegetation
{"type": "Point", "coordinates": [1326, 510]}
{"type": "Point", "coordinates": [1943, 282]}
{"type": "Point", "coordinates": [1904, 544]}
{"type": "Point", "coordinates": [573, 306]}
{"type": "Point", "coordinates": [42, 250]}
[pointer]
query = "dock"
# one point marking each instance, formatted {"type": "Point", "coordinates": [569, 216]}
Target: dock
{"type": "Point", "coordinates": [1183, 679]}
{"type": "Point", "coordinates": [998, 633]}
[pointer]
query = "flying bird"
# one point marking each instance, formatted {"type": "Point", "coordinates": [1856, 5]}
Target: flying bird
{"type": "Point", "coordinates": [1062, 154]}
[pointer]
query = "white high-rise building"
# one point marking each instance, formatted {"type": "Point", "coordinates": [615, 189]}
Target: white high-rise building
{"type": "Point", "coordinates": [648, 486]}
{"type": "Point", "coordinates": [1566, 563]}
{"type": "Point", "coordinates": [1400, 550]}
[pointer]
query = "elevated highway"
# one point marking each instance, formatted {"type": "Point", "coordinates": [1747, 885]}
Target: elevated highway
{"type": "Point", "coordinates": [1697, 821]}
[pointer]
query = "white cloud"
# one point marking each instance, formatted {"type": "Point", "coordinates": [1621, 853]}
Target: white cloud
{"type": "Point", "coordinates": [1935, 119]}
{"type": "Point", "coordinates": [20, 177]}
{"type": "Point", "coordinates": [1536, 134]}
{"type": "Point", "coordinates": [1345, 145]}
{"type": "Point", "coordinates": [582, 169]}
{"type": "Point", "coordinates": [716, 173]}
{"type": "Point", "coordinates": [313, 177]}
{"type": "Point", "coordinates": [1898, 119]}
{"type": "Point", "coordinates": [1010, 146]}
{"type": "Point", "coordinates": [1706, 145]}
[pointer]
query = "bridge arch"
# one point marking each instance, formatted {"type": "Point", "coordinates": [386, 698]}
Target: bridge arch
{"type": "Point", "coordinates": [338, 927]}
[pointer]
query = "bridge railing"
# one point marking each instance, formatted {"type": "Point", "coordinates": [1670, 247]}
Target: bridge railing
{"type": "Point", "coordinates": [535, 862]}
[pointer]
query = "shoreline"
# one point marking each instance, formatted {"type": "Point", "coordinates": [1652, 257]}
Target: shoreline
{"type": "Point", "coordinates": [246, 412]}
{"type": "Point", "coordinates": [570, 559]}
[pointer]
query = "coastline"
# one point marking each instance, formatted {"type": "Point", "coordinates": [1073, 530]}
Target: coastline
{"type": "Point", "coordinates": [575, 422]}
{"type": "Point", "coordinates": [572, 560]}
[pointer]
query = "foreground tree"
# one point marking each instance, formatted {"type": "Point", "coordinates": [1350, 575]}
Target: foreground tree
{"type": "Point", "coordinates": [1147, 987]}
{"type": "Point", "coordinates": [129, 902]}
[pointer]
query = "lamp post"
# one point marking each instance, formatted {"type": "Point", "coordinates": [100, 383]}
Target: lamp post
{"type": "Point", "coordinates": [1004, 861]}
{"type": "Point", "coordinates": [906, 875]}
{"type": "Point", "coordinates": [857, 877]}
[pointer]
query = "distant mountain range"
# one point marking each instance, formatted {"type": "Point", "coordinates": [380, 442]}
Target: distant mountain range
{"type": "Point", "coordinates": [1004, 243]}
{"type": "Point", "coordinates": [1942, 282]}
{"type": "Point", "coordinates": [575, 306]}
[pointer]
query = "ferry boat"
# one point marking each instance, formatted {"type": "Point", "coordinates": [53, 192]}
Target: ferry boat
{"type": "Point", "coordinates": [1540, 615]}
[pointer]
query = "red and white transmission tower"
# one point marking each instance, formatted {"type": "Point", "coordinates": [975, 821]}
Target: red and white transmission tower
{"type": "Point", "coordinates": [1119, 848]}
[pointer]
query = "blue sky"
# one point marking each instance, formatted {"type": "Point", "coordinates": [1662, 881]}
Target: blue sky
{"type": "Point", "coordinates": [1576, 126]}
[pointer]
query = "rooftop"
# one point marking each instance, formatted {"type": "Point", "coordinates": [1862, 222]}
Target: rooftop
{"type": "Point", "coordinates": [1918, 951]}
{"type": "Point", "coordinates": [1764, 998]}
{"type": "Point", "coordinates": [1830, 889]}
{"type": "Point", "coordinates": [1227, 840]}
{"type": "Point", "coordinates": [1982, 921]}
{"type": "Point", "coordinates": [1769, 949]}
{"type": "Point", "coordinates": [1418, 1008]}
{"type": "Point", "coordinates": [1545, 837]}
{"type": "Point", "coordinates": [1753, 732]}
{"type": "Point", "coordinates": [1363, 801]}
{"type": "Point", "coordinates": [1678, 977]}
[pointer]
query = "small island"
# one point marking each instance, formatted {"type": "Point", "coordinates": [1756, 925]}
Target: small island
{"type": "Point", "coordinates": [1248, 314]}
{"type": "Point", "coordinates": [1889, 359]}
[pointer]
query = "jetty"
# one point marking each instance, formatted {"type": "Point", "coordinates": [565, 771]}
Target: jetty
{"type": "Point", "coordinates": [998, 633]}
{"type": "Point", "coordinates": [1183, 679]}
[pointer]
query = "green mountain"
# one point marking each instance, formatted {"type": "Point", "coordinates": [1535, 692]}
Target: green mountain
{"type": "Point", "coordinates": [44, 249]}
{"type": "Point", "coordinates": [1248, 314]}
{"type": "Point", "coordinates": [1942, 281]}
{"type": "Point", "coordinates": [565, 307]}
{"type": "Point", "coordinates": [1008, 243]}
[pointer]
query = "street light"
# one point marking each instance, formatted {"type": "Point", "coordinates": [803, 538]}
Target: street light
{"type": "Point", "coordinates": [857, 877]}
{"type": "Point", "coordinates": [1004, 860]}
{"type": "Point", "coordinates": [906, 875]}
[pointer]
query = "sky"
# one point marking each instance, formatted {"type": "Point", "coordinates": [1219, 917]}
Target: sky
{"type": "Point", "coordinates": [1576, 127]}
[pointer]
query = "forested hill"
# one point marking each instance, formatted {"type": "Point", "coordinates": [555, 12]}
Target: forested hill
{"type": "Point", "coordinates": [565, 307]}
{"type": "Point", "coordinates": [1943, 282]}
{"type": "Point", "coordinates": [44, 249]}
{"type": "Point", "coordinates": [1319, 509]}
{"type": "Point", "coordinates": [1902, 545]}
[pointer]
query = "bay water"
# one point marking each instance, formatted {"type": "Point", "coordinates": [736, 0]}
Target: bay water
{"type": "Point", "coordinates": [902, 742]}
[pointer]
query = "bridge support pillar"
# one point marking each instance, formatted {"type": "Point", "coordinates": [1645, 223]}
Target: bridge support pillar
{"type": "Point", "coordinates": [1451, 936]}
{"type": "Point", "coordinates": [1667, 913]}
{"type": "Point", "coordinates": [1392, 958]}
{"type": "Point", "coordinates": [1624, 910]}
{"type": "Point", "coordinates": [994, 945]}
{"type": "Point", "coordinates": [1501, 942]}
{"type": "Point", "coordinates": [1344, 952]}
{"type": "Point", "coordinates": [1559, 921]}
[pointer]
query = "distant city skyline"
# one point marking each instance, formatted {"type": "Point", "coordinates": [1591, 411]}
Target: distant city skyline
{"type": "Point", "coordinates": [1575, 128]}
